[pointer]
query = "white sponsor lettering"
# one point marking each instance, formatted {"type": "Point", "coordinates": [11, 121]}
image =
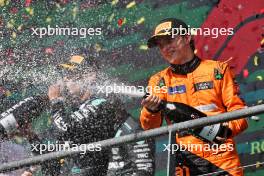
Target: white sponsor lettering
{"type": "Point", "coordinates": [205, 108]}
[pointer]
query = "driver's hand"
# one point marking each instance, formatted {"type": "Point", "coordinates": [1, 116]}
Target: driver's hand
{"type": "Point", "coordinates": [223, 138]}
{"type": "Point", "coordinates": [27, 173]}
{"type": "Point", "coordinates": [151, 102]}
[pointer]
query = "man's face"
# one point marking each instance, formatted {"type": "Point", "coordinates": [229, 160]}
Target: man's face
{"type": "Point", "coordinates": [79, 88]}
{"type": "Point", "coordinates": [174, 49]}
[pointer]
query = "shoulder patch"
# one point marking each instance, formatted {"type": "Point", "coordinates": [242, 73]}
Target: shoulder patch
{"type": "Point", "coordinates": [161, 82]}
{"type": "Point", "coordinates": [219, 70]}
{"type": "Point", "coordinates": [218, 75]}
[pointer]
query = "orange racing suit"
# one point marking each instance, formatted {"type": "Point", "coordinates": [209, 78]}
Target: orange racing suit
{"type": "Point", "coordinates": [210, 88]}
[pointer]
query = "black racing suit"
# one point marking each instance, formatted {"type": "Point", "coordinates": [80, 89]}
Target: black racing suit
{"type": "Point", "coordinates": [94, 120]}
{"type": "Point", "coordinates": [99, 119]}
{"type": "Point", "coordinates": [132, 159]}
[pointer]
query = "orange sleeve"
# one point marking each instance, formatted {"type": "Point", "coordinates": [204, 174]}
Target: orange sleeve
{"type": "Point", "coordinates": [148, 119]}
{"type": "Point", "coordinates": [232, 101]}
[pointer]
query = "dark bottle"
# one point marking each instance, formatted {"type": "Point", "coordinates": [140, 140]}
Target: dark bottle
{"type": "Point", "coordinates": [21, 113]}
{"type": "Point", "coordinates": [180, 112]}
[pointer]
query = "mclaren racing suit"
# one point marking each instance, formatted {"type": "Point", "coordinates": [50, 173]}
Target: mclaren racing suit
{"type": "Point", "coordinates": [99, 119]}
{"type": "Point", "coordinates": [210, 88]}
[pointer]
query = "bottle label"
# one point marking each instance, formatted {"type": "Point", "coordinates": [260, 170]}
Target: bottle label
{"type": "Point", "coordinates": [9, 123]}
{"type": "Point", "coordinates": [210, 132]}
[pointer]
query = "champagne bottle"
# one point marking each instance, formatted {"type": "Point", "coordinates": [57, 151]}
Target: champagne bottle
{"type": "Point", "coordinates": [21, 113]}
{"type": "Point", "coordinates": [180, 112]}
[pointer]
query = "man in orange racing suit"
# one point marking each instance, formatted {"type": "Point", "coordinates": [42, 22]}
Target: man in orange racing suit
{"type": "Point", "coordinates": [206, 85]}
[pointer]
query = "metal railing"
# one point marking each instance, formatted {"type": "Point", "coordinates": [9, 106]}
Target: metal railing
{"type": "Point", "coordinates": [224, 117]}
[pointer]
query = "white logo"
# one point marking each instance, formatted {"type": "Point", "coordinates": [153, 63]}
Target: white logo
{"type": "Point", "coordinates": [60, 123]}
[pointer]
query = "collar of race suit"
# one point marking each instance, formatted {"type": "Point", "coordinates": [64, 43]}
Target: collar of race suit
{"type": "Point", "coordinates": [188, 67]}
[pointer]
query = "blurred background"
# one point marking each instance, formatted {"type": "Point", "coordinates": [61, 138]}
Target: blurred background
{"type": "Point", "coordinates": [27, 61]}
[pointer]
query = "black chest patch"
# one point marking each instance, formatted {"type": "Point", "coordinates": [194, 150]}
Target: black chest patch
{"type": "Point", "coordinates": [204, 85]}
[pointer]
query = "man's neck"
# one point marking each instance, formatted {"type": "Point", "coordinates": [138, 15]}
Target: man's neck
{"type": "Point", "coordinates": [187, 67]}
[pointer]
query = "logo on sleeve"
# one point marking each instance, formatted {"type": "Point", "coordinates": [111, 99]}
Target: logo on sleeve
{"type": "Point", "coordinates": [177, 89]}
{"type": "Point", "coordinates": [60, 123]}
{"type": "Point", "coordinates": [217, 74]}
{"type": "Point", "coordinates": [161, 83]}
{"type": "Point", "coordinates": [204, 85]}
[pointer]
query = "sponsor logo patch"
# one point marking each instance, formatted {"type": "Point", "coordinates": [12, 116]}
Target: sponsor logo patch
{"type": "Point", "coordinates": [161, 82]}
{"type": "Point", "coordinates": [177, 89]}
{"type": "Point", "coordinates": [163, 26]}
{"type": "Point", "coordinates": [203, 85]}
{"type": "Point", "coordinates": [217, 74]}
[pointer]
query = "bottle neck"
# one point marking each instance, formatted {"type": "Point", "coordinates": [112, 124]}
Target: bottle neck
{"type": "Point", "coordinates": [162, 105]}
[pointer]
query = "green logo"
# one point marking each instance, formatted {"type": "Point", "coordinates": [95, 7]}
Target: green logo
{"type": "Point", "coordinates": [217, 74]}
{"type": "Point", "coordinates": [161, 82]}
